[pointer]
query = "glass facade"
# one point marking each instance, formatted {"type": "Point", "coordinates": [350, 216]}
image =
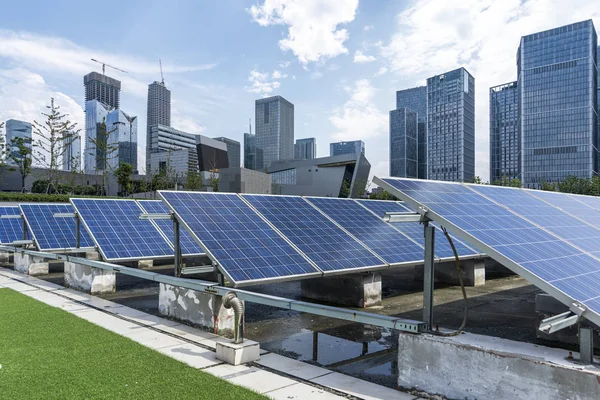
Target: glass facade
{"type": "Point", "coordinates": [415, 99]}
{"type": "Point", "coordinates": [305, 149]}
{"type": "Point", "coordinates": [274, 118]}
{"type": "Point", "coordinates": [505, 142]}
{"type": "Point", "coordinates": [403, 143]}
{"type": "Point", "coordinates": [71, 158]}
{"type": "Point", "coordinates": [102, 88]}
{"type": "Point", "coordinates": [355, 146]}
{"type": "Point", "coordinates": [557, 80]}
{"type": "Point", "coordinates": [451, 126]}
{"type": "Point", "coordinates": [122, 133]}
{"type": "Point", "coordinates": [95, 117]}
{"type": "Point", "coordinates": [249, 151]}
{"type": "Point", "coordinates": [286, 177]}
{"type": "Point", "coordinates": [17, 129]}
{"type": "Point", "coordinates": [233, 151]}
{"type": "Point", "coordinates": [158, 113]}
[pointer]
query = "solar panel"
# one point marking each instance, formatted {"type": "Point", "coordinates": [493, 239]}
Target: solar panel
{"type": "Point", "coordinates": [11, 229]}
{"type": "Point", "coordinates": [567, 272]}
{"type": "Point", "coordinates": [246, 248]}
{"type": "Point", "coordinates": [187, 243]}
{"type": "Point", "coordinates": [118, 231]}
{"type": "Point", "coordinates": [414, 230]}
{"type": "Point", "coordinates": [384, 240]}
{"type": "Point", "coordinates": [325, 243]}
{"type": "Point", "coordinates": [51, 233]}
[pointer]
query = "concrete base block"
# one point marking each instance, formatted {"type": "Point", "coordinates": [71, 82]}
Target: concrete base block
{"type": "Point", "coordinates": [472, 271]}
{"type": "Point", "coordinates": [237, 354]}
{"type": "Point", "coordinates": [198, 308]}
{"type": "Point", "coordinates": [4, 257]}
{"type": "Point", "coordinates": [92, 255]}
{"type": "Point", "coordinates": [482, 367]}
{"type": "Point", "coordinates": [356, 290]}
{"type": "Point", "coordinates": [30, 265]}
{"type": "Point", "coordinates": [88, 279]}
{"type": "Point", "coordinates": [145, 264]}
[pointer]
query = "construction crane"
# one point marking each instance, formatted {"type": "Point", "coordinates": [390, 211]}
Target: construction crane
{"type": "Point", "coordinates": [162, 78]}
{"type": "Point", "coordinates": [104, 65]}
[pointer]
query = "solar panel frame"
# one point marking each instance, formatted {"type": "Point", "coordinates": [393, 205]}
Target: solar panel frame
{"type": "Point", "coordinates": [186, 241]}
{"type": "Point", "coordinates": [554, 291]}
{"type": "Point", "coordinates": [11, 228]}
{"type": "Point", "coordinates": [215, 260]}
{"type": "Point", "coordinates": [85, 242]}
{"type": "Point", "coordinates": [327, 272]}
{"type": "Point", "coordinates": [97, 243]}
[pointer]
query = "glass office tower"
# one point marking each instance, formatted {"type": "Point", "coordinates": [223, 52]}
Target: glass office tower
{"type": "Point", "coordinates": [274, 131]}
{"type": "Point", "coordinates": [339, 148]}
{"type": "Point", "coordinates": [451, 126]}
{"type": "Point", "coordinates": [505, 142]}
{"type": "Point", "coordinates": [17, 129]}
{"type": "Point", "coordinates": [416, 99]}
{"type": "Point", "coordinates": [403, 143]}
{"type": "Point", "coordinates": [249, 151]}
{"type": "Point", "coordinates": [122, 137]}
{"type": "Point", "coordinates": [158, 113]}
{"type": "Point", "coordinates": [557, 80]}
{"type": "Point", "coordinates": [305, 149]}
{"type": "Point", "coordinates": [233, 151]}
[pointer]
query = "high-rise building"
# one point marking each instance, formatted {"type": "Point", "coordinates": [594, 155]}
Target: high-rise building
{"type": "Point", "coordinates": [233, 151]}
{"type": "Point", "coordinates": [122, 136]}
{"type": "Point", "coordinates": [249, 151]}
{"type": "Point", "coordinates": [102, 88]}
{"type": "Point", "coordinates": [451, 126]}
{"type": "Point", "coordinates": [159, 112]}
{"type": "Point", "coordinates": [305, 149]}
{"type": "Point", "coordinates": [164, 142]}
{"type": "Point", "coordinates": [557, 81]}
{"type": "Point", "coordinates": [404, 143]}
{"type": "Point", "coordinates": [338, 148]}
{"type": "Point", "coordinates": [17, 129]}
{"type": "Point", "coordinates": [505, 141]}
{"type": "Point", "coordinates": [95, 132]}
{"type": "Point", "coordinates": [71, 157]}
{"type": "Point", "coordinates": [274, 120]}
{"type": "Point", "coordinates": [415, 99]}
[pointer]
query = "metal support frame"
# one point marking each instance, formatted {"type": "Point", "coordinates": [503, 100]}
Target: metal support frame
{"type": "Point", "coordinates": [586, 345]}
{"type": "Point", "coordinates": [77, 231]}
{"type": "Point", "coordinates": [429, 275]}
{"type": "Point", "coordinates": [558, 322]}
{"type": "Point", "coordinates": [177, 247]}
{"type": "Point", "coordinates": [24, 229]}
{"type": "Point", "coordinates": [392, 217]}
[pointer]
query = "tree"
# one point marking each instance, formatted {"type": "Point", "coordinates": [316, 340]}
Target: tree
{"type": "Point", "coordinates": [104, 151]}
{"type": "Point", "coordinates": [123, 175]}
{"type": "Point", "coordinates": [214, 180]}
{"type": "Point", "coordinates": [21, 157]}
{"type": "Point", "coordinates": [3, 148]}
{"type": "Point", "coordinates": [548, 186]}
{"type": "Point", "coordinates": [515, 183]}
{"type": "Point", "coordinates": [508, 182]}
{"type": "Point", "coordinates": [382, 195]}
{"type": "Point", "coordinates": [345, 189]}
{"type": "Point", "coordinates": [477, 179]}
{"type": "Point", "coordinates": [55, 134]}
{"type": "Point", "coordinates": [193, 181]}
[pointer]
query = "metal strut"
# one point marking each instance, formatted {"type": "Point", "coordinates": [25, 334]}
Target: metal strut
{"type": "Point", "coordinates": [429, 275]}
{"type": "Point", "coordinates": [177, 246]}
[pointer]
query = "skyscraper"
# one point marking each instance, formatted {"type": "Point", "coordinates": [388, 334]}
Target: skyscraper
{"type": "Point", "coordinates": [451, 126]}
{"type": "Point", "coordinates": [102, 88]}
{"type": "Point", "coordinates": [415, 99]}
{"type": "Point", "coordinates": [403, 143]}
{"type": "Point", "coordinates": [122, 133]}
{"type": "Point", "coordinates": [17, 129]}
{"type": "Point", "coordinates": [95, 132]}
{"type": "Point", "coordinates": [305, 149]}
{"type": "Point", "coordinates": [233, 151]}
{"type": "Point", "coordinates": [557, 81]}
{"type": "Point", "coordinates": [505, 142]}
{"type": "Point", "coordinates": [274, 122]}
{"type": "Point", "coordinates": [249, 151]}
{"type": "Point", "coordinates": [71, 158]}
{"type": "Point", "coordinates": [159, 112]}
{"type": "Point", "coordinates": [338, 148]}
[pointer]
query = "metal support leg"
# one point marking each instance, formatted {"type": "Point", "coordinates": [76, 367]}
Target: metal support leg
{"type": "Point", "coordinates": [177, 247]}
{"type": "Point", "coordinates": [24, 229]}
{"type": "Point", "coordinates": [586, 345]}
{"type": "Point", "coordinates": [77, 231]}
{"type": "Point", "coordinates": [429, 278]}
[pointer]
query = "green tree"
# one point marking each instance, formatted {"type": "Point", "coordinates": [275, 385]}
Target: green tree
{"type": "Point", "coordinates": [382, 195]}
{"type": "Point", "coordinates": [548, 186]}
{"type": "Point", "coordinates": [22, 157]}
{"type": "Point", "coordinates": [193, 181]}
{"type": "Point", "coordinates": [345, 189]}
{"type": "Point", "coordinates": [214, 180]}
{"type": "Point", "coordinates": [477, 179]}
{"type": "Point", "coordinates": [123, 175]}
{"type": "Point", "coordinates": [576, 185]}
{"type": "Point", "coordinates": [515, 183]}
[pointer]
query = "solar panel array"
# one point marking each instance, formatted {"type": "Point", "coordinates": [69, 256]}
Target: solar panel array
{"type": "Point", "coordinates": [326, 244]}
{"type": "Point", "coordinates": [187, 243]}
{"type": "Point", "coordinates": [546, 245]}
{"type": "Point", "coordinates": [11, 229]}
{"type": "Point", "coordinates": [51, 233]}
{"type": "Point", "coordinates": [246, 247]}
{"type": "Point", "coordinates": [118, 231]}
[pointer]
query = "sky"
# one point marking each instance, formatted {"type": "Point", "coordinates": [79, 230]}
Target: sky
{"type": "Point", "coordinates": [339, 61]}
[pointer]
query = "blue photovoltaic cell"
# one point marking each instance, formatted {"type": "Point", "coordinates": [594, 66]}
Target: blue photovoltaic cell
{"type": "Point", "coordinates": [52, 233]}
{"type": "Point", "coordinates": [244, 245]}
{"type": "Point", "coordinates": [117, 229]}
{"type": "Point", "coordinates": [321, 240]}
{"type": "Point", "coordinates": [377, 235]}
{"type": "Point", "coordinates": [576, 205]}
{"type": "Point", "coordinates": [414, 230]}
{"type": "Point", "coordinates": [557, 264]}
{"type": "Point", "coordinates": [187, 243]}
{"type": "Point", "coordinates": [11, 229]}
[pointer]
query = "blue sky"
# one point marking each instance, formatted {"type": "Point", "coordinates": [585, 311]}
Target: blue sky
{"type": "Point", "coordinates": [339, 61]}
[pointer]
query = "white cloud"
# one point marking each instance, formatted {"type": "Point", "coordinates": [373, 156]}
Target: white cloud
{"type": "Point", "coordinates": [360, 57]}
{"type": "Point", "coordinates": [367, 28]}
{"type": "Point", "coordinates": [435, 36]}
{"type": "Point", "coordinates": [313, 33]}
{"type": "Point", "coordinates": [284, 64]}
{"type": "Point", "coordinates": [278, 75]}
{"type": "Point", "coordinates": [359, 118]}
{"type": "Point", "coordinates": [381, 71]}
{"type": "Point", "coordinates": [263, 83]}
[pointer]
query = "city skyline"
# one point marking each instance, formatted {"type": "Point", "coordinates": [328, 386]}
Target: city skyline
{"type": "Point", "coordinates": [342, 88]}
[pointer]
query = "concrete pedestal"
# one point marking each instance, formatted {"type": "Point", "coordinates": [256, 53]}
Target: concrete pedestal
{"type": "Point", "coordinates": [4, 257]}
{"type": "Point", "coordinates": [198, 308]}
{"type": "Point", "coordinates": [92, 255]}
{"type": "Point", "coordinates": [482, 367]}
{"type": "Point", "coordinates": [472, 271]}
{"type": "Point", "coordinates": [30, 265]}
{"type": "Point", "coordinates": [145, 263]}
{"type": "Point", "coordinates": [356, 290]}
{"type": "Point", "coordinates": [88, 279]}
{"type": "Point", "coordinates": [237, 354]}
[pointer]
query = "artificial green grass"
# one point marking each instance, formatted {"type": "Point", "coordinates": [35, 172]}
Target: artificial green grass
{"type": "Point", "coordinates": [47, 353]}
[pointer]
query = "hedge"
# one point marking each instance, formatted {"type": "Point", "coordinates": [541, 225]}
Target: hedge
{"type": "Point", "coordinates": [42, 197]}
